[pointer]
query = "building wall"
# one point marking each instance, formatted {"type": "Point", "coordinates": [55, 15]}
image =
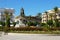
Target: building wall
{"type": "Point", "coordinates": [2, 16]}
{"type": "Point", "coordinates": [44, 16]}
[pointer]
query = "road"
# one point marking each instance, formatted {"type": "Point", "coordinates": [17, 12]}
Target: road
{"type": "Point", "coordinates": [17, 36]}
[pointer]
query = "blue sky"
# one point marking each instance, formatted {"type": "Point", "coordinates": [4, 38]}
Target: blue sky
{"type": "Point", "coordinates": [31, 7]}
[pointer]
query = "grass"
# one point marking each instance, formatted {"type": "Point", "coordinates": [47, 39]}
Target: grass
{"type": "Point", "coordinates": [37, 32]}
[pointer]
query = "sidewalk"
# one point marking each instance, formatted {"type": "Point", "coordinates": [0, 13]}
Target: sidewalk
{"type": "Point", "coordinates": [17, 36]}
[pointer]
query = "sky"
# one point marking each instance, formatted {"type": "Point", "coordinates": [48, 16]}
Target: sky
{"type": "Point", "coordinates": [31, 7]}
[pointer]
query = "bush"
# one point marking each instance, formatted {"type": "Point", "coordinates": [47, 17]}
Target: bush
{"type": "Point", "coordinates": [50, 23]}
{"type": "Point", "coordinates": [1, 28]}
{"type": "Point", "coordinates": [46, 27]}
{"type": "Point", "coordinates": [6, 29]}
{"type": "Point", "coordinates": [26, 29]}
{"type": "Point", "coordinates": [43, 24]}
{"type": "Point", "coordinates": [32, 23]}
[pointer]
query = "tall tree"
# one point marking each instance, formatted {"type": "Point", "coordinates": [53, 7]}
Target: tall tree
{"type": "Point", "coordinates": [51, 15]}
{"type": "Point", "coordinates": [7, 17]}
{"type": "Point", "coordinates": [39, 15]}
{"type": "Point", "coordinates": [55, 16]}
{"type": "Point", "coordinates": [50, 21]}
{"type": "Point", "coordinates": [56, 11]}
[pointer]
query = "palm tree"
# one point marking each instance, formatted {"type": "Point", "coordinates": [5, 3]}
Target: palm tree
{"type": "Point", "coordinates": [55, 16]}
{"type": "Point", "coordinates": [46, 16]}
{"type": "Point", "coordinates": [56, 11]}
{"type": "Point", "coordinates": [7, 20]}
{"type": "Point", "coordinates": [7, 17]}
{"type": "Point", "coordinates": [51, 20]}
{"type": "Point", "coordinates": [39, 16]}
{"type": "Point", "coordinates": [51, 15]}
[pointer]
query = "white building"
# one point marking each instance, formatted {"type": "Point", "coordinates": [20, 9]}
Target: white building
{"type": "Point", "coordinates": [3, 17]}
{"type": "Point", "coordinates": [50, 12]}
{"type": "Point", "coordinates": [10, 11]}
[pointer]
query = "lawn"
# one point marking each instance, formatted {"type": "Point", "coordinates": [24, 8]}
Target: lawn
{"type": "Point", "coordinates": [36, 32]}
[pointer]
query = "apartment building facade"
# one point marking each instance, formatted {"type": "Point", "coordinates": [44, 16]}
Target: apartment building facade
{"type": "Point", "coordinates": [2, 14]}
{"type": "Point", "coordinates": [50, 15]}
